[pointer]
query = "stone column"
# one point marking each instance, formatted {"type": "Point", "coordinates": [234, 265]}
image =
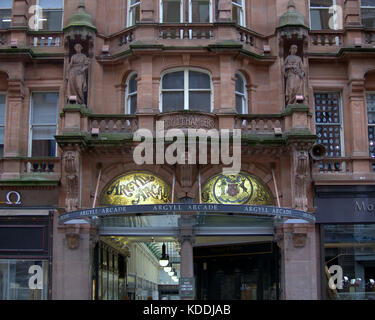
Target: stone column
{"type": "Point", "coordinates": [186, 239]}
{"type": "Point", "coordinates": [299, 261]}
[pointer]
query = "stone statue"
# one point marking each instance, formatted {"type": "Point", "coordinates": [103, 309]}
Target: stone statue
{"type": "Point", "coordinates": [77, 75]}
{"type": "Point", "coordinates": [294, 76]}
{"type": "Point", "coordinates": [71, 170]}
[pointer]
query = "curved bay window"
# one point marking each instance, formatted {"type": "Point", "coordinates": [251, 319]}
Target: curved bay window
{"type": "Point", "coordinates": [186, 90]}
{"type": "Point", "coordinates": [241, 98]}
{"type": "Point", "coordinates": [131, 95]}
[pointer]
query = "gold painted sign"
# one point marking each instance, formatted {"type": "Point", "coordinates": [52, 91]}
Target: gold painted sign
{"type": "Point", "coordinates": [241, 188]}
{"type": "Point", "coordinates": [136, 188]}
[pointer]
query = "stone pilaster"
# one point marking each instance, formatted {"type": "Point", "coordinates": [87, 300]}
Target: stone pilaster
{"type": "Point", "coordinates": [147, 11]}
{"type": "Point", "coordinates": [352, 13]}
{"type": "Point", "coordinates": [225, 10]}
{"type": "Point", "coordinates": [15, 112]}
{"type": "Point", "coordinates": [20, 13]}
{"type": "Point", "coordinates": [299, 272]}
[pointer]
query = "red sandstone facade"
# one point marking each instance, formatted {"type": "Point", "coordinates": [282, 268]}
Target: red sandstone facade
{"type": "Point", "coordinates": [334, 61]}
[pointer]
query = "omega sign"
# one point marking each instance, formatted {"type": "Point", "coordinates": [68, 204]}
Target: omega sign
{"type": "Point", "coordinates": [13, 198]}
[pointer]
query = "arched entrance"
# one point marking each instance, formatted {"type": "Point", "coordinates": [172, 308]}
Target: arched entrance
{"type": "Point", "coordinates": [220, 248]}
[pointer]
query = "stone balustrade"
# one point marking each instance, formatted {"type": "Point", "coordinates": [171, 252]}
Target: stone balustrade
{"type": "Point", "coordinates": [41, 165]}
{"type": "Point", "coordinates": [45, 40]}
{"type": "Point", "coordinates": [186, 32]}
{"type": "Point", "coordinates": [326, 39]}
{"type": "Point", "coordinates": [333, 166]}
{"type": "Point", "coordinates": [260, 123]}
{"type": "Point", "coordinates": [112, 123]}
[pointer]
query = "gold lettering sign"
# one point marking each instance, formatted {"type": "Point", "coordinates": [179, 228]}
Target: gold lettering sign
{"type": "Point", "coordinates": [241, 188]}
{"type": "Point", "coordinates": [136, 188]}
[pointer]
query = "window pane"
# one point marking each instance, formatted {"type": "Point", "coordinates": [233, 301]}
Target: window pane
{"type": "Point", "coordinates": [368, 3]}
{"type": "Point", "coordinates": [44, 132]}
{"type": "Point", "coordinates": [174, 80]}
{"type": "Point", "coordinates": [200, 11]}
{"type": "Point", "coordinates": [133, 84]}
{"type": "Point", "coordinates": [239, 84]}
{"type": "Point", "coordinates": [370, 101]}
{"type": "Point", "coordinates": [6, 4]}
{"type": "Point", "coordinates": [2, 132]}
{"type": "Point", "coordinates": [199, 80]}
{"type": "Point", "coordinates": [134, 2]}
{"type": "Point", "coordinates": [133, 104]}
{"type": "Point", "coordinates": [239, 103]}
{"type": "Point", "coordinates": [321, 3]}
{"type": "Point", "coordinates": [49, 4]}
{"type": "Point", "coordinates": [135, 15]}
{"type": "Point", "coordinates": [200, 101]}
{"type": "Point", "coordinates": [53, 20]}
{"type": "Point", "coordinates": [327, 112]}
{"type": "Point", "coordinates": [368, 18]}
{"type": "Point", "coordinates": [320, 19]}
{"type": "Point", "coordinates": [173, 101]}
{"type": "Point", "coordinates": [2, 108]}
{"type": "Point", "coordinates": [171, 11]}
{"type": "Point", "coordinates": [5, 18]}
{"type": "Point", "coordinates": [43, 148]}
{"type": "Point", "coordinates": [236, 14]}
{"type": "Point", "coordinates": [44, 108]}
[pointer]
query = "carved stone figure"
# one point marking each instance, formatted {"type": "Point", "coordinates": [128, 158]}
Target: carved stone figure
{"type": "Point", "coordinates": [300, 173]}
{"type": "Point", "coordinates": [77, 75]}
{"type": "Point", "coordinates": [294, 75]}
{"type": "Point", "coordinates": [71, 169]}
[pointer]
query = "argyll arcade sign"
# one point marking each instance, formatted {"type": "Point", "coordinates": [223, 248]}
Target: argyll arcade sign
{"type": "Point", "coordinates": [179, 208]}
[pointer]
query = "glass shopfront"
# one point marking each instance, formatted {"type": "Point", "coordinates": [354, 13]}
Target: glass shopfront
{"type": "Point", "coordinates": [352, 247]}
{"type": "Point", "coordinates": [25, 258]}
{"type": "Point", "coordinates": [15, 277]}
{"type": "Point", "coordinates": [347, 231]}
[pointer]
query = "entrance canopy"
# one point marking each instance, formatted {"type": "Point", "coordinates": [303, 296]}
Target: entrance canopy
{"type": "Point", "coordinates": [189, 209]}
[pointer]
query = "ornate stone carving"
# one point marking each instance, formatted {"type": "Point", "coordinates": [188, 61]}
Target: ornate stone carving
{"type": "Point", "coordinates": [71, 163]}
{"type": "Point", "coordinates": [300, 181]}
{"type": "Point", "coordinates": [182, 121]}
{"type": "Point", "coordinates": [78, 75]}
{"type": "Point", "coordinates": [294, 76]}
{"type": "Point", "coordinates": [72, 240]}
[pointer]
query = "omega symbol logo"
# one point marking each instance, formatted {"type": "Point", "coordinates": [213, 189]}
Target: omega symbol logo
{"type": "Point", "coordinates": [13, 198]}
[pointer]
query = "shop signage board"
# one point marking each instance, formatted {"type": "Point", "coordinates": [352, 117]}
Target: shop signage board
{"type": "Point", "coordinates": [187, 288]}
{"type": "Point", "coordinates": [160, 209]}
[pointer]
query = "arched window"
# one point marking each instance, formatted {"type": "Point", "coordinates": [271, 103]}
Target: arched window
{"type": "Point", "coordinates": [241, 96]}
{"type": "Point", "coordinates": [186, 89]}
{"type": "Point", "coordinates": [131, 94]}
